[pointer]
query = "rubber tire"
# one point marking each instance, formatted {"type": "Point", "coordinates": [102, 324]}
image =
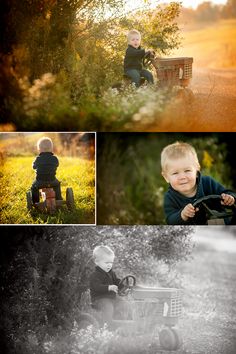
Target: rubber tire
{"type": "Point", "coordinates": [170, 338]}
{"type": "Point", "coordinates": [29, 200]}
{"type": "Point", "coordinates": [70, 201]}
{"type": "Point", "coordinates": [85, 319]}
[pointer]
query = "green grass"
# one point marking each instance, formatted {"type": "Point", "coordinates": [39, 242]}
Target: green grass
{"type": "Point", "coordinates": [16, 177]}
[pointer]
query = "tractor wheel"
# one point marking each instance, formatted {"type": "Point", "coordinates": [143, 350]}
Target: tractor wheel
{"type": "Point", "coordinates": [29, 200]}
{"type": "Point", "coordinates": [70, 202]}
{"type": "Point", "coordinates": [85, 319]}
{"type": "Point", "coordinates": [170, 338]}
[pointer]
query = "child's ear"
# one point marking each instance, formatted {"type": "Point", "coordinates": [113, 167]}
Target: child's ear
{"type": "Point", "coordinates": [165, 177]}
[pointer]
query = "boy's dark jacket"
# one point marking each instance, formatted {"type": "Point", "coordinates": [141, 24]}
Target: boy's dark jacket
{"type": "Point", "coordinates": [45, 164]}
{"type": "Point", "coordinates": [99, 282]}
{"type": "Point", "coordinates": [174, 202]}
{"type": "Point", "coordinates": [133, 58]}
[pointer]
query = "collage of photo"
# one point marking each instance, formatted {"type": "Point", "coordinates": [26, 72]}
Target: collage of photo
{"type": "Point", "coordinates": [118, 177]}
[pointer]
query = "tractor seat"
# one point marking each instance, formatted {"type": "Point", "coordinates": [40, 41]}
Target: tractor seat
{"type": "Point", "coordinates": [142, 79]}
{"type": "Point", "coordinates": [49, 184]}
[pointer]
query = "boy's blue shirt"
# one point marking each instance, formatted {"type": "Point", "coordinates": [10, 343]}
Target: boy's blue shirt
{"type": "Point", "coordinates": [133, 58]}
{"type": "Point", "coordinates": [174, 202]}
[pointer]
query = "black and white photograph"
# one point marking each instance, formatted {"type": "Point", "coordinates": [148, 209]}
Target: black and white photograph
{"type": "Point", "coordinates": [118, 289]}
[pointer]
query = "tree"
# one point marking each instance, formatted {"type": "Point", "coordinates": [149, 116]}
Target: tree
{"type": "Point", "coordinates": [229, 10]}
{"type": "Point", "coordinates": [206, 11]}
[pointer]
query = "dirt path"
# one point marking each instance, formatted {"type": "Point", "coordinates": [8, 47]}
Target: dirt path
{"type": "Point", "coordinates": [209, 322]}
{"type": "Point", "coordinates": [213, 108]}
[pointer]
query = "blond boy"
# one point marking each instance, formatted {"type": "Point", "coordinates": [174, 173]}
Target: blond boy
{"type": "Point", "coordinates": [181, 169]}
{"type": "Point", "coordinates": [45, 165]}
{"type": "Point", "coordinates": [133, 67]}
{"type": "Point", "coordinates": [104, 283]}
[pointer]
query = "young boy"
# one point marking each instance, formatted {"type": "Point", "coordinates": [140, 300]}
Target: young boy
{"type": "Point", "coordinates": [133, 59]}
{"type": "Point", "coordinates": [181, 169]}
{"type": "Point", "coordinates": [104, 283]}
{"type": "Point", "coordinates": [45, 164]}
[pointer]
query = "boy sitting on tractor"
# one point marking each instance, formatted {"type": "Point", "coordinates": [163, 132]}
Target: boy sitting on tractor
{"type": "Point", "coordinates": [45, 164]}
{"type": "Point", "coordinates": [181, 169]}
{"type": "Point", "coordinates": [133, 67]}
{"type": "Point", "coordinates": [104, 284]}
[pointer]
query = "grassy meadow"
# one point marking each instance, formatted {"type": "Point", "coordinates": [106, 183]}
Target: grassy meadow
{"type": "Point", "coordinates": [17, 175]}
{"type": "Point", "coordinates": [212, 45]}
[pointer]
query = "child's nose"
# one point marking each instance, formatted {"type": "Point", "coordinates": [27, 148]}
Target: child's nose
{"type": "Point", "coordinates": [182, 175]}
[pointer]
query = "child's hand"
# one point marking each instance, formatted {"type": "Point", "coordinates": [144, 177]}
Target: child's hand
{"type": "Point", "coordinates": [227, 199]}
{"type": "Point", "coordinates": [188, 212]}
{"type": "Point", "coordinates": [113, 288]}
{"type": "Point", "coordinates": [151, 51]}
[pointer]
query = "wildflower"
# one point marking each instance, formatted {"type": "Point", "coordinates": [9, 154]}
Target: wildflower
{"type": "Point", "coordinates": [207, 160]}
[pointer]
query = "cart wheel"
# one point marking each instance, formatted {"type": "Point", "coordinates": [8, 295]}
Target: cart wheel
{"type": "Point", "coordinates": [85, 319]}
{"type": "Point", "coordinates": [29, 200]}
{"type": "Point", "coordinates": [70, 202]}
{"type": "Point", "coordinates": [170, 338]}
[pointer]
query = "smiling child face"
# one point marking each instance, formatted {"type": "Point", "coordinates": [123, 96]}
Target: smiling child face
{"type": "Point", "coordinates": [181, 173]}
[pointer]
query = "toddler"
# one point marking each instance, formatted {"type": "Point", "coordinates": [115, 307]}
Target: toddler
{"type": "Point", "coordinates": [181, 169]}
{"type": "Point", "coordinates": [45, 164]}
{"type": "Point", "coordinates": [133, 59]}
{"type": "Point", "coordinates": [104, 283]}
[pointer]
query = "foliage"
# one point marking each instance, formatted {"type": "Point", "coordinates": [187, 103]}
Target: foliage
{"type": "Point", "coordinates": [130, 186]}
{"type": "Point", "coordinates": [208, 11]}
{"type": "Point", "coordinates": [160, 31]}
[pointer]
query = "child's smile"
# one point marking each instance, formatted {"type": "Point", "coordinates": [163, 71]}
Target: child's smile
{"type": "Point", "coordinates": [182, 174]}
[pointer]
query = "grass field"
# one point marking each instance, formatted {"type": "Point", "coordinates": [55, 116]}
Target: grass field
{"type": "Point", "coordinates": [212, 45]}
{"type": "Point", "coordinates": [16, 177]}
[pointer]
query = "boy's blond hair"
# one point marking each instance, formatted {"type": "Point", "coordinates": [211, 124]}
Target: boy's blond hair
{"type": "Point", "coordinates": [45, 144]}
{"type": "Point", "coordinates": [132, 32]}
{"type": "Point", "coordinates": [100, 251]}
{"type": "Point", "coordinates": [177, 150]}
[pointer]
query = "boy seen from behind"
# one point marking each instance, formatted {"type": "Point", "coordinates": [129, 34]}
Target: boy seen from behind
{"type": "Point", "coordinates": [45, 165]}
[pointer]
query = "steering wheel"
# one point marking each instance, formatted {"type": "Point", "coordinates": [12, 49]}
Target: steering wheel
{"type": "Point", "coordinates": [211, 201]}
{"type": "Point", "coordinates": [148, 58]}
{"type": "Point", "coordinates": [128, 282]}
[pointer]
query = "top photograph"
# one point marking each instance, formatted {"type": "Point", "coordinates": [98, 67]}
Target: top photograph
{"type": "Point", "coordinates": [118, 65]}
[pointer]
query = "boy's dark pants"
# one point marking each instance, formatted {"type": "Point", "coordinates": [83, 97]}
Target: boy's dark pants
{"type": "Point", "coordinates": [40, 184]}
{"type": "Point", "coordinates": [135, 76]}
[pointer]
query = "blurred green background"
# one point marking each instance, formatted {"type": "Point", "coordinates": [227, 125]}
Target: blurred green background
{"type": "Point", "coordinates": [130, 188]}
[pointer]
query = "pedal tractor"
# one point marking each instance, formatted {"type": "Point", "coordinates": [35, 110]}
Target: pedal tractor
{"type": "Point", "coordinates": [172, 72]}
{"type": "Point", "coordinates": [149, 308]}
{"type": "Point", "coordinates": [215, 212]}
{"type": "Point", "coordinates": [48, 203]}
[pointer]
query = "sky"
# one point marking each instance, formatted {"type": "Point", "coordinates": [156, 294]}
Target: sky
{"type": "Point", "coordinates": [195, 3]}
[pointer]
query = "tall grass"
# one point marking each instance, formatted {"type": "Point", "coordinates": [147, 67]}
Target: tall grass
{"type": "Point", "coordinates": [16, 177]}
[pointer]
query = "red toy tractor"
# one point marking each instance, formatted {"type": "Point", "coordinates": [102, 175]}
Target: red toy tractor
{"type": "Point", "coordinates": [48, 202]}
